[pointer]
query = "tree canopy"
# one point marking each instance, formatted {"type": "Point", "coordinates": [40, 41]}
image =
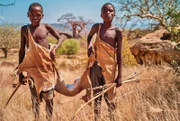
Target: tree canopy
{"type": "Point", "coordinates": [9, 38]}
{"type": "Point", "coordinates": [5, 3]}
{"type": "Point", "coordinates": [149, 13]}
{"type": "Point", "coordinates": [146, 10]}
{"type": "Point", "coordinates": [78, 24]}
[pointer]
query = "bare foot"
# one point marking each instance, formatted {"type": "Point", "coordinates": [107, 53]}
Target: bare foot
{"type": "Point", "coordinates": [86, 98]}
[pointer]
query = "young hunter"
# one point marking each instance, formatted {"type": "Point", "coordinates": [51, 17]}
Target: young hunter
{"type": "Point", "coordinates": [36, 57]}
{"type": "Point", "coordinates": [108, 53]}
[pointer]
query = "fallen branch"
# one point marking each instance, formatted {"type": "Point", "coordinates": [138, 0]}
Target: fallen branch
{"type": "Point", "coordinates": [110, 86]}
{"type": "Point", "coordinates": [26, 79]}
{"type": "Point", "coordinates": [127, 79]}
{"type": "Point", "coordinates": [12, 94]}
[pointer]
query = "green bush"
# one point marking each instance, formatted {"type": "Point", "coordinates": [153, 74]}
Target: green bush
{"type": "Point", "coordinates": [128, 58]}
{"type": "Point", "coordinates": [69, 47]}
{"type": "Point", "coordinates": [173, 15]}
{"type": "Point", "coordinates": [52, 40]}
{"type": "Point", "coordinates": [9, 38]}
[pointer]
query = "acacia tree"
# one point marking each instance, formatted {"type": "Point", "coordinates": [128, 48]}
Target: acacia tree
{"type": "Point", "coordinates": [5, 3]}
{"type": "Point", "coordinates": [78, 24]}
{"type": "Point", "coordinates": [9, 38]}
{"type": "Point", "coordinates": [163, 13]}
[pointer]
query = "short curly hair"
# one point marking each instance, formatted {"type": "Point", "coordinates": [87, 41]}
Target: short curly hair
{"type": "Point", "coordinates": [106, 5]}
{"type": "Point", "coordinates": [35, 4]}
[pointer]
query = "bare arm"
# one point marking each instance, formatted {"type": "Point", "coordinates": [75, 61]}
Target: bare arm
{"type": "Point", "coordinates": [90, 36]}
{"type": "Point", "coordinates": [22, 51]}
{"type": "Point", "coordinates": [22, 45]}
{"type": "Point", "coordinates": [54, 33]}
{"type": "Point", "coordinates": [119, 57]}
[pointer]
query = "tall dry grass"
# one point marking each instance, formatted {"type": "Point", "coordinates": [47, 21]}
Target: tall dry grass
{"type": "Point", "coordinates": [155, 98]}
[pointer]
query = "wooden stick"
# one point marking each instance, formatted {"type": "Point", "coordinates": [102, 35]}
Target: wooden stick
{"type": "Point", "coordinates": [104, 91]}
{"type": "Point", "coordinates": [130, 77]}
{"type": "Point", "coordinates": [12, 94]}
{"type": "Point", "coordinates": [107, 85]}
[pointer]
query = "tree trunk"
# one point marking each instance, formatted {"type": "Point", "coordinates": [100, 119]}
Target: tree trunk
{"type": "Point", "coordinates": [5, 51]}
{"type": "Point", "coordinates": [74, 30]}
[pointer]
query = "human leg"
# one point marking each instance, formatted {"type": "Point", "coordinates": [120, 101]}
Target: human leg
{"type": "Point", "coordinates": [111, 103]}
{"type": "Point", "coordinates": [48, 96]}
{"type": "Point", "coordinates": [35, 101]}
{"type": "Point", "coordinates": [96, 80]}
{"type": "Point", "coordinates": [49, 109]}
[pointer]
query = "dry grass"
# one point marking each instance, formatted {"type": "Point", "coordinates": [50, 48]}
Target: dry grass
{"type": "Point", "coordinates": [155, 98]}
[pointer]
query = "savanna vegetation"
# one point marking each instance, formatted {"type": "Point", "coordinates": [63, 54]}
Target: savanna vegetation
{"type": "Point", "coordinates": [9, 38]}
{"type": "Point", "coordinates": [156, 97]}
{"type": "Point", "coordinates": [149, 15]}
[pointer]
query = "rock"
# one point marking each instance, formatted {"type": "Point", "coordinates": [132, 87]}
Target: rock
{"type": "Point", "coordinates": [150, 49]}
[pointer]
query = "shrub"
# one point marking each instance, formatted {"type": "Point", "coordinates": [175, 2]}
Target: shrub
{"type": "Point", "coordinates": [128, 58]}
{"type": "Point", "coordinates": [52, 39]}
{"type": "Point", "coordinates": [69, 47]}
{"type": "Point", "coordinates": [9, 38]}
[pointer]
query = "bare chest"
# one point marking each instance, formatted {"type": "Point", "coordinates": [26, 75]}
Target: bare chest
{"type": "Point", "coordinates": [109, 36]}
{"type": "Point", "coordinates": [40, 35]}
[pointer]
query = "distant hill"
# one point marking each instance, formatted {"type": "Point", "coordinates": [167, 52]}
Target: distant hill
{"type": "Point", "coordinates": [60, 27]}
{"type": "Point", "coordinates": [57, 26]}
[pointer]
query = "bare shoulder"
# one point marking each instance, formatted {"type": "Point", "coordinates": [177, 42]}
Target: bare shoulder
{"type": "Point", "coordinates": [94, 29]}
{"type": "Point", "coordinates": [48, 27]}
{"type": "Point", "coordinates": [96, 25]}
{"type": "Point", "coordinates": [118, 31]}
{"type": "Point", "coordinates": [24, 28]}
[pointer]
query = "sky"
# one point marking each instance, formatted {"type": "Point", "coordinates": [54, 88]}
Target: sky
{"type": "Point", "coordinates": [53, 9]}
